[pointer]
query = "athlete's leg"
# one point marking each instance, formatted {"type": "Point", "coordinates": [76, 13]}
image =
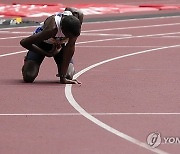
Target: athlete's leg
{"type": "Point", "coordinates": [31, 66]}
{"type": "Point", "coordinates": [71, 71]}
{"type": "Point", "coordinates": [58, 59]}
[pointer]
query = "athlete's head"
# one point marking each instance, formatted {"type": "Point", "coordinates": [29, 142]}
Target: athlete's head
{"type": "Point", "coordinates": [71, 26]}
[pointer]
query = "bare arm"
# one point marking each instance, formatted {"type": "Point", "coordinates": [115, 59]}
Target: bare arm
{"type": "Point", "coordinates": [67, 56]}
{"type": "Point", "coordinates": [69, 50]}
{"type": "Point", "coordinates": [30, 42]}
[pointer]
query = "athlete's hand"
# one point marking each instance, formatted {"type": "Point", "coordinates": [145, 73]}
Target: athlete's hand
{"type": "Point", "coordinates": [54, 51]}
{"type": "Point", "coordinates": [68, 81]}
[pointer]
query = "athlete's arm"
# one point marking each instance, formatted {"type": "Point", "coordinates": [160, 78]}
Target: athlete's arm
{"type": "Point", "coordinates": [69, 50]}
{"type": "Point", "coordinates": [77, 13]}
{"type": "Point", "coordinates": [49, 31]}
{"type": "Point", "coordinates": [67, 56]}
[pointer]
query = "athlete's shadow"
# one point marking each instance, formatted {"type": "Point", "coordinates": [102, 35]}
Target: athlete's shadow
{"type": "Point", "coordinates": [19, 82]}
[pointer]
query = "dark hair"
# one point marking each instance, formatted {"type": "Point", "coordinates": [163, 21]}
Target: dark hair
{"type": "Point", "coordinates": [72, 25]}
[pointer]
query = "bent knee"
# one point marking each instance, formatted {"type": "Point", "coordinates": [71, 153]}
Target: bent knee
{"type": "Point", "coordinates": [28, 77]}
{"type": "Point", "coordinates": [30, 71]}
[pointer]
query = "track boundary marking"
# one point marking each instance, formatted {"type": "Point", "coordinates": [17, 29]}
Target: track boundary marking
{"type": "Point", "coordinates": [132, 27]}
{"type": "Point", "coordinates": [134, 19]}
{"type": "Point", "coordinates": [95, 114]}
{"type": "Point", "coordinates": [99, 30]}
{"type": "Point", "coordinates": [77, 107]}
{"type": "Point", "coordinates": [101, 40]}
{"type": "Point", "coordinates": [128, 37]}
{"type": "Point", "coordinates": [12, 53]}
{"type": "Point", "coordinates": [99, 22]}
{"type": "Point", "coordinates": [94, 46]}
{"type": "Point", "coordinates": [110, 46]}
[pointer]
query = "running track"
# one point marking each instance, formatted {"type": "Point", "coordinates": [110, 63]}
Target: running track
{"type": "Point", "coordinates": [130, 75]}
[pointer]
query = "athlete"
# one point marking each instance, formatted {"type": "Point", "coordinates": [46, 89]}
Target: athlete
{"type": "Point", "coordinates": [55, 38]}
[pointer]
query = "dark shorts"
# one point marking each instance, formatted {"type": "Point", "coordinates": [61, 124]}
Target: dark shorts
{"type": "Point", "coordinates": [38, 58]}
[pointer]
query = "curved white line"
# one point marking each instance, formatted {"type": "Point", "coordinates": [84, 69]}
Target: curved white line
{"type": "Point", "coordinates": [73, 102]}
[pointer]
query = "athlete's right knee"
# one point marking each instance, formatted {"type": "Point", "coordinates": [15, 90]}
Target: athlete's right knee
{"type": "Point", "coordinates": [30, 71]}
{"type": "Point", "coordinates": [28, 77]}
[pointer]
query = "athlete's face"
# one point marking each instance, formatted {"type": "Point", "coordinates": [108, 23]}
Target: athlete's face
{"type": "Point", "coordinates": [67, 34]}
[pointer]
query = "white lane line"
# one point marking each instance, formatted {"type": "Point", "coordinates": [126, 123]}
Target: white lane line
{"type": "Point", "coordinates": [128, 37]}
{"type": "Point", "coordinates": [103, 40]}
{"type": "Point", "coordinates": [135, 19]}
{"type": "Point", "coordinates": [133, 27]}
{"type": "Point", "coordinates": [14, 32]}
{"type": "Point", "coordinates": [85, 32]}
{"type": "Point", "coordinates": [24, 27]}
{"type": "Point", "coordinates": [97, 30]}
{"type": "Point", "coordinates": [93, 114]}
{"type": "Point", "coordinates": [110, 46]}
{"type": "Point", "coordinates": [82, 33]}
{"type": "Point", "coordinates": [13, 37]}
{"type": "Point", "coordinates": [12, 53]}
{"type": "Point", "coordinates": [21, 32]}
{"type": "Point", "coordinates": [92, 46]}
{"type": "Point", "coordinates": [74, 103]}
{"type": "Point", "coordinates": [12, 46]}
{"type": "Point", "coordinates": [100, 22]}
{"type": "Point", "coordinates": [40, 114]}
{"type": "Point", "coordinates": [103, 34]}
{"type": "Point", "coordinates": [3, 32]}
{"type": "Point", "coordinates": [171, 36]}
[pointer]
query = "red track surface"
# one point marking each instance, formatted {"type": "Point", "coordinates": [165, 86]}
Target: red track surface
{"type": "Point", "coordinates": [132, 94]}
